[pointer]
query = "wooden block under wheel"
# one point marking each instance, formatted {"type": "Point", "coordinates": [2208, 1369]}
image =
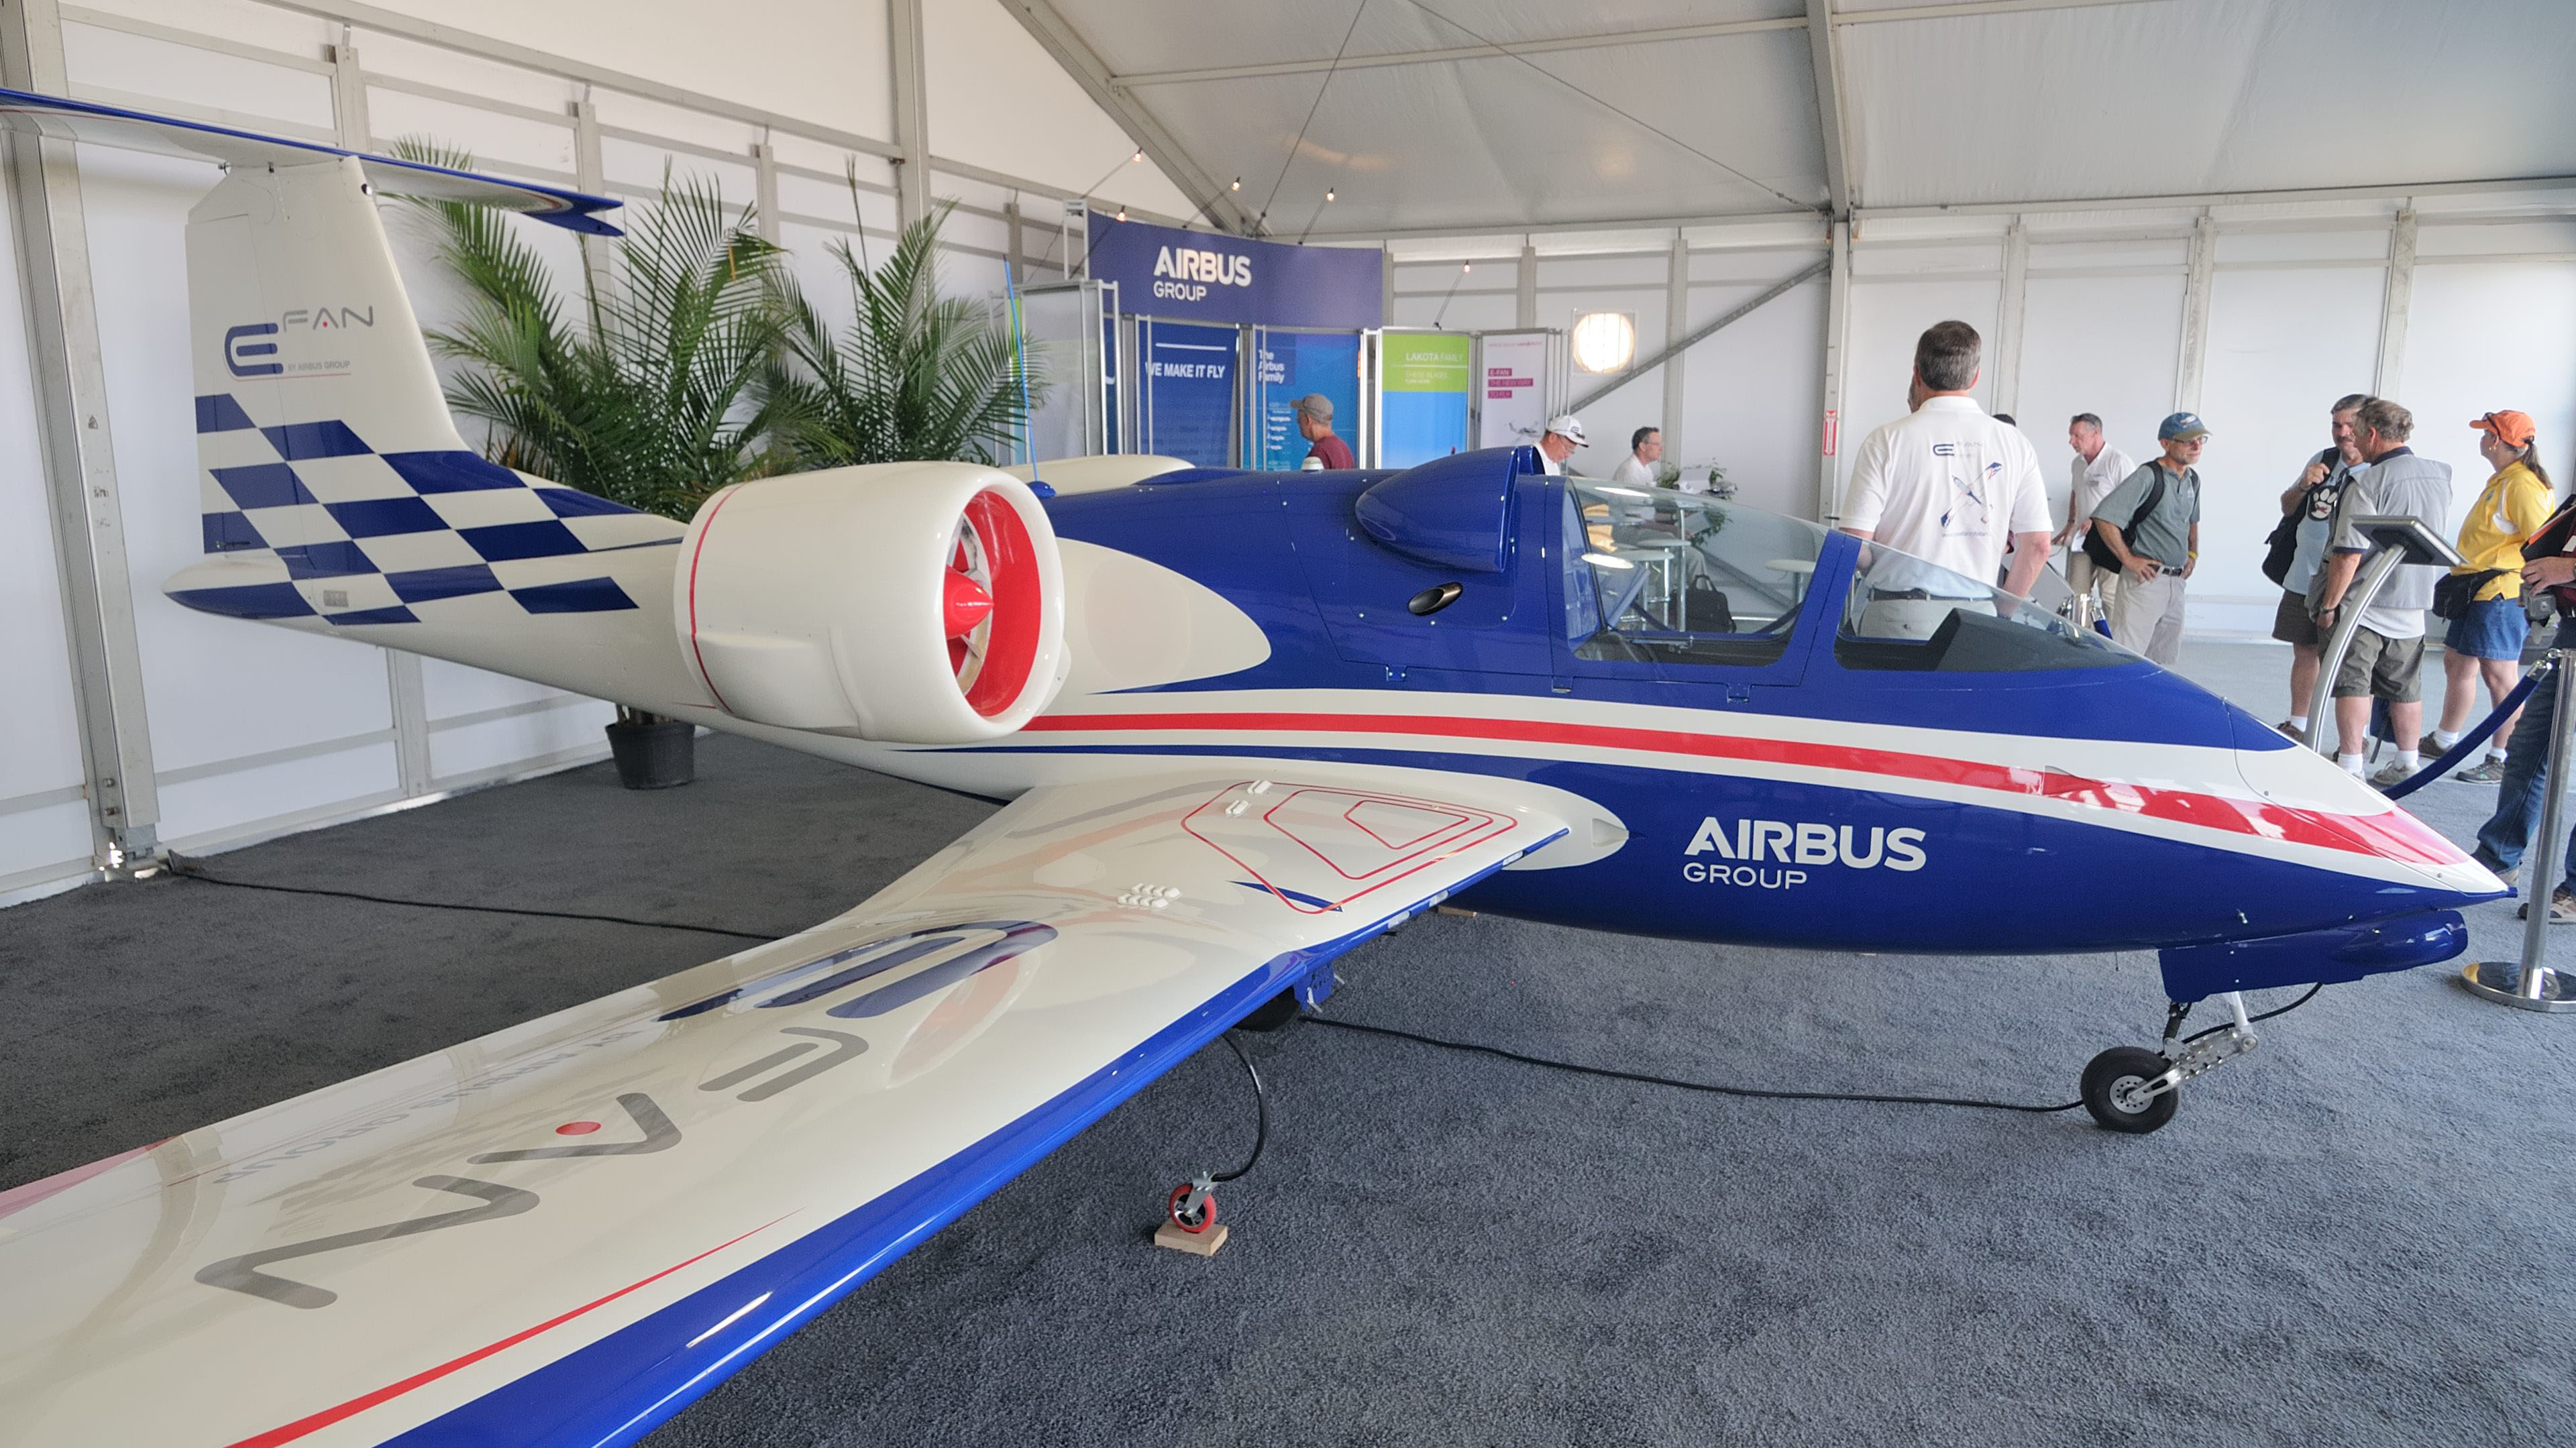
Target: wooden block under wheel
{"type": "Point", "coordinates": [1203, 1244]}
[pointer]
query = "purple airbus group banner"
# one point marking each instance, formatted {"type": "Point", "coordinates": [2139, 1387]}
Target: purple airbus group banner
{"type": "Point", "coordinates": [1202, 276]}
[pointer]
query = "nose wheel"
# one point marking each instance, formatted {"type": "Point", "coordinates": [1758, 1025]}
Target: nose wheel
{"type": "Point", "coordinates": [2115, 1090]}
{"type": "Point", "coordinates": [2132, 1090]}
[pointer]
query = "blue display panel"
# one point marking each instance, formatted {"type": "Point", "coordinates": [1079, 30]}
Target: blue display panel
{"type": "Point", "coordinates": [1288, 366]}
{"type": "Point", "coordinates": [1188, 410]}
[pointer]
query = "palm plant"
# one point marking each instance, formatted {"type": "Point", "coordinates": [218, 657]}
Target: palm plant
{"type": "Point", "coordinates": [651, 399]}
{"type": "Point", "coordinates": [915, 375]}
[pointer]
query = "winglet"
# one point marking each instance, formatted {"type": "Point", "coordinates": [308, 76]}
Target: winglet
{"type": "Point", "coordinates": [167, 136]}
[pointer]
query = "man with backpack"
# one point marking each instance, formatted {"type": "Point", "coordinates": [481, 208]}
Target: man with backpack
{"type": "Point", "coordinates": [2386, 658]}
{"type": "Point", "coordinates": [2296, 554]}
{"type": "Point", "coordinates": [2147, 533]}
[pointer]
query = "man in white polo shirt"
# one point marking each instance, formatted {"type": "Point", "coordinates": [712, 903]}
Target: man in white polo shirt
{"type": "Point", "coordinates": [2098, 468]}
{"type": "Point", "coordinates": [1949, 485]}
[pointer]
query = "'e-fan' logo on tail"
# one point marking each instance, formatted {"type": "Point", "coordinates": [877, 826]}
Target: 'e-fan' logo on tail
{"type": "Point", "coordinates": [243, 341]}
{"type": "Point", "coordinates": [1753, 842]}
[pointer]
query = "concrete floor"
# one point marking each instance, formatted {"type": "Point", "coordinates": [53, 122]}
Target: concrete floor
{"type": "Point", "coordinates": [2326, 1246]}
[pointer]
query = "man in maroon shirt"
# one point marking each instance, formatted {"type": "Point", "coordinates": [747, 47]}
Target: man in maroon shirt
{"type": "Point", "coordinates": [1315, 424]}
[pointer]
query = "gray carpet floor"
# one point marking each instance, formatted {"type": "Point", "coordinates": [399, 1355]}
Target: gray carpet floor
{"type": "Point", "coordinates": [2347, 1237]}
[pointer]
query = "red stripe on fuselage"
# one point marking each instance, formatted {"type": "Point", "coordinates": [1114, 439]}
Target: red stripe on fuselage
{"type": "Point", "coordinates": [2393, 835]}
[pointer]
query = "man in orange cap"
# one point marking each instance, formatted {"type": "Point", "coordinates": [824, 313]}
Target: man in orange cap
{"type": "Point", "coordinates": [2485, 638]}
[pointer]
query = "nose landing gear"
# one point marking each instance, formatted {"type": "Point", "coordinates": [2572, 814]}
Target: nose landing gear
{"type": "Point", "coordinates": [2133, 1090]}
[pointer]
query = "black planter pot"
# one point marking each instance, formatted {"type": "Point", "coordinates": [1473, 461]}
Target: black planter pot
{"type": "Point", "coordinates": [656, 755]}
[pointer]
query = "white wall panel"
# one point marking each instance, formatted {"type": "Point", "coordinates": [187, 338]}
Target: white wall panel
{"type": "Point", "coordinates": [2104, 345]}
{"type": "Point", "coordinates": [381, 54]}
{"type": "Point", "coordinates": [1887, 317]}
{"type": "Point", "coordinates": [2283, 345]}
{"type": "Point", "coordinates": [220, 809]}
{"type": "Point", "coordinates": [470, 753]}
{"type": "Point", "coordinates": [40, 750]}
{"type": "Point", "coordinates": [640, 170]}
{"type": "Point", "coordinates": [44, 841]}
{"type": "Point", "coordinates": [819, 63]}
{"type": "Point", "coordinates": [999, 101]}
{"type": "Point", "coordinates": [125, 64]}
{"type": "Point", "coordinates": [1752, 395]}
{"type": "Point", "coordinates": [2480, 338]}
{"type": "Point", "coordinates": [495, 140]}
{"type": "Point", "coordinates": [1465, 312]}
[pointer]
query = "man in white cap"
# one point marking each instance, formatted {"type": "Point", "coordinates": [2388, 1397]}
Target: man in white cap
{"type": "Point", "coordinates": [1564, 434]}
{"type": "Point", "coordinates": [1315, 425]}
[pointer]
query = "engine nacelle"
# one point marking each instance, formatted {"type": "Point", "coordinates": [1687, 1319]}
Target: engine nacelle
{"type": "Point", "coordinates": [913, 603]}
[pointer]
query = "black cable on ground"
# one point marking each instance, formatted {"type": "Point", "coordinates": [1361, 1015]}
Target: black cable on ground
{"type": "Point", "coordinates": [187, 869]}
{"type": "Point", "coordinates": [1643, 1079]}
{"type": "Point", "coordinates": [1261, 1103]}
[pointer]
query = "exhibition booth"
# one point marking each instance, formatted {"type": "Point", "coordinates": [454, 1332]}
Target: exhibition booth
{"type": "Point", "coordinates": [1197, 345]}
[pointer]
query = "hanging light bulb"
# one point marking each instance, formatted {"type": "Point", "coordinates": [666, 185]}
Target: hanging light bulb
{"type": "Point", "coordinates": [1328, 193]}
{"type": "Point", "coordinates": [1465, 267]}
{"type": "Point", "coordinates": [1238, 184]}
{"type": "Point", "coordinates": [1139, 156]}
{"type": "Point", "coordinates": [1122, 213]}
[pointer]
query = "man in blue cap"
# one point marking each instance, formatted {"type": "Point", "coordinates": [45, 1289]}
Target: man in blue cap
{"type": "Point", "coordinates": [2151, 523]}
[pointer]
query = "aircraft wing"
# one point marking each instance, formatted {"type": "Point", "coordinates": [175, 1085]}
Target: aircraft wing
{"type": "Point", "coordinates": [565, 1231]}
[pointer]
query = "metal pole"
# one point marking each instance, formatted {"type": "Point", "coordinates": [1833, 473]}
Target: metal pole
{"type": "Point", "coordinates": [2527, 983]}
{"type": "Point", "coordinates": [2374, 576]}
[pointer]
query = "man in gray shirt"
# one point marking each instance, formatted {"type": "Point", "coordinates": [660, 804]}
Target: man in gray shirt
{"type": "Point", "coordinates": [2386, 660]}
{"type": "Point", "coordinates": [2146, 606]}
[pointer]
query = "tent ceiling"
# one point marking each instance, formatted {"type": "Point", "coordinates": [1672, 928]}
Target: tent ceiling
{"type": "Point", "coordinates": [1502, 115]}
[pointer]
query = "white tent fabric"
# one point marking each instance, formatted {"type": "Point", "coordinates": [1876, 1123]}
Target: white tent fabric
{"type": "Point", "coordinates": [1509, 114]}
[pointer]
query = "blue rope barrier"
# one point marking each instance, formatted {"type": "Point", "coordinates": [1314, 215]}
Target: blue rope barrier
{"type": "Point", "coordinates": [2470, 741]}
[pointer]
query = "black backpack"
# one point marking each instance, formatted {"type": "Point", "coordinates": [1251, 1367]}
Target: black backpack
{"type": "Point", "coordinates": [2100, 552]}
{"type": "Point", "coordinates": [2282, 547]}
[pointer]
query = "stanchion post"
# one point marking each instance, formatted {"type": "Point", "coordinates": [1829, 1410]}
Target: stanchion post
{"type": "Point", "coordinates": [2526, 983]}
{"type": "Point", "coordinates": [2322, 735]}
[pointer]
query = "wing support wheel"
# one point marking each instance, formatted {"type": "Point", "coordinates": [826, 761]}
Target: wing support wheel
{"type": "Point", "coordinates": [1191, 1207]}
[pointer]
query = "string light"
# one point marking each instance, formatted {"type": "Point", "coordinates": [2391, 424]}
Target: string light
{"type": "Point", "coordinates": [1122, 213]}
{"type": "Point", "coordinates": [1238, 184]}
{"type": "Point", "coordinates": [1328, 193]}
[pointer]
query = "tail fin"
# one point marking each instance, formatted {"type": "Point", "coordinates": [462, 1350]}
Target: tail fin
{"type": "Point", "coordinates": [335, 490]}
{"type": "Point", "coordinates": [324, 440]}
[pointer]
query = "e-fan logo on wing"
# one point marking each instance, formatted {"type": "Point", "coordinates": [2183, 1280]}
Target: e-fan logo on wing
{"type": "Point", "coordinates": [1752, 843]}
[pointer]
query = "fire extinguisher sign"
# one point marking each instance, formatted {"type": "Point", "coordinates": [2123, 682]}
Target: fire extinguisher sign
{"type": "Point", "coordinates": [1833, 430]}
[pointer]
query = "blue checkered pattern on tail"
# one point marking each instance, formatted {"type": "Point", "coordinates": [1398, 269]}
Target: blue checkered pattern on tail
{"type": "Point", "coordinates": [366, 536]}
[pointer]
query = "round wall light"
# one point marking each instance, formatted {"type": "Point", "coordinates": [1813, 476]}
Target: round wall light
{"type": "Point", "coordinates": [1604, 341]}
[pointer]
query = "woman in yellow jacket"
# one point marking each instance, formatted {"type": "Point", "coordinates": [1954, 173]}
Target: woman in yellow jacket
{"type": "Point", "coordinates": [2487, 640]}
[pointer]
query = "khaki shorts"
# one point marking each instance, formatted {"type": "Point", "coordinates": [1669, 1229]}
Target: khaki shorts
{"type": "Point", "coordinates": [2291, 623]}
{"type": "Point", "coordinates": [2380, 667]}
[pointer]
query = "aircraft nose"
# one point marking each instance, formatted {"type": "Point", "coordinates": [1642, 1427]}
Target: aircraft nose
{"type": "Point", "coordinates": [2339, 823]}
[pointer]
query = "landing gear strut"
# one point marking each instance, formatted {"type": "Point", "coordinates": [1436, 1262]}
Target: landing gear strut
{"type": "Point", "coordinates": [2130, 1089]}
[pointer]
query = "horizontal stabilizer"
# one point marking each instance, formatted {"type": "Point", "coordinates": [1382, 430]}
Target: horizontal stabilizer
{"type": "Point", "coordinates": [166, 136]}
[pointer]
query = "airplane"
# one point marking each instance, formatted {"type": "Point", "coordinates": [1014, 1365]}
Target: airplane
{"type": "Point", "coordinates": [1244, 722]}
